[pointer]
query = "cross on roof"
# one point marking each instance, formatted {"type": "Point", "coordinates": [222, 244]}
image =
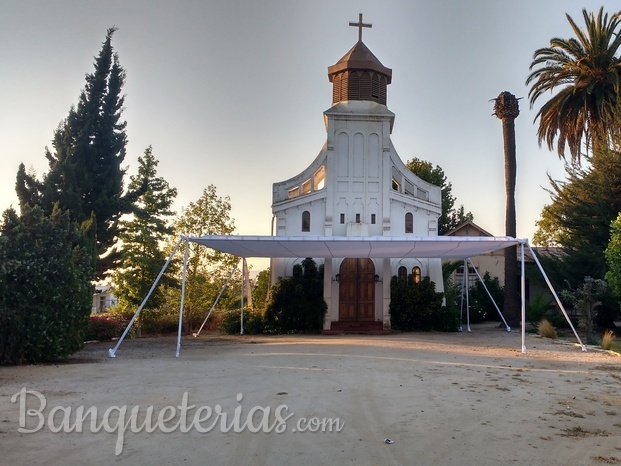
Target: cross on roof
{"type": "Point", "coordinates": [360, 25]}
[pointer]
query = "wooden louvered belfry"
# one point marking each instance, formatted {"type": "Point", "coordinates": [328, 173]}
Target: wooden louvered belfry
{"type": "Point", "coordinates": [359, 75]}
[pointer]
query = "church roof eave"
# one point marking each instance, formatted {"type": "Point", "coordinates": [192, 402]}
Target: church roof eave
{"type": "Point", "coordinates": [359, 57]}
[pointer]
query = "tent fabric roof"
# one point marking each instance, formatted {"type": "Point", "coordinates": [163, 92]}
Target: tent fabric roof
{"type": "Point", "coordinates": [454, 247]}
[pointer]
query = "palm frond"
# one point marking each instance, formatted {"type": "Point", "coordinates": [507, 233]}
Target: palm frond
{"type": "Point", "coordinates": [585, 73]}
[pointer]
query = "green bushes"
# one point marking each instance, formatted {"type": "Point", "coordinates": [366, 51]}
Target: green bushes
{"type": "Point", "coordinates": [417, 306]}
{"type": "Point", "coordinates": [231, 322]}
{"type": "Point", "coordinates": [104, 327]}
{"type": "Point", "coordinates": [45, 286]}
{"type": "Point", "coordinates": [537, 309]}
{"type": "Point", "coordinates": [297, 304]}
{"type": "Point", "coordinates": [154, 324]}
{"type": "Point", "coordinates": [481, 307]}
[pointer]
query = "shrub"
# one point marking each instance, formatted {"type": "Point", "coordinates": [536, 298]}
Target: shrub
{"type": "Point", "coordinates": [214, 322]}
{"type": "Point", "coordinates": [558, 320]}
{"type": "Point", "coordinates": [608, 339]}
{"type": "Point", "coordinates": [45, 286]}
{"type": "Point", "coordinates": [231, 322]}
{"type": "Point", "coordinates": [296, 304]}
{"type": "Point", "coordinates": [481, 306]}
{"type": "Point", "coordinates": [416, 306]}
{"type": "Point", "coordinates": [104, 327]}
{"type": "Point", "coordinates": [124, 316]}
{"type": "Point", "coordinates": [159, 323]}
{"type": "Point", "coordinates": [446, 319]}
{"type": "Point", "coordinates": [545, 329]}
{"type": "Point", "coordinates": [537, 309]}
{"type": "Point", "coordinates": [585, 298]}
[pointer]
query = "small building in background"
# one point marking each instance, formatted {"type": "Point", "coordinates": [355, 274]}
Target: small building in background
{"type": "Point", "coordinates": [103, 299]}
{"type": "Point", "coordinates": [494, 262]}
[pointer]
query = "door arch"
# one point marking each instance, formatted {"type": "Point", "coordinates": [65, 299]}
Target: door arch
{"type": "Point", "coordinates": [357, 290]}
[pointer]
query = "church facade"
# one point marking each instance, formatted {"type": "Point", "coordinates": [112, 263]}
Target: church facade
{"type": "Point", "coordinates": [358, 186]}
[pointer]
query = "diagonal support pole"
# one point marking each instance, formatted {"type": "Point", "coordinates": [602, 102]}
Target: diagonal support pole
{"type": "Point", "coordinates": [558, 301]}
{"type": "Point", "coordinates": [217, 299]}
{"type": "Point", "coordinates": [490, 295]}
{"type": "Point", "coordinates": [112, 351]}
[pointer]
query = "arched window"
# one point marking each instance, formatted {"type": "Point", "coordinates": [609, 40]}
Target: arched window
{"type": "Point", "coordinates": [409, 223]}
{"type": "Point", "coordinates": [402, 273]}
{"type": "Point", "coordinates": [306, 220]}
{"type": "Point", "coordinates": [416, 275]}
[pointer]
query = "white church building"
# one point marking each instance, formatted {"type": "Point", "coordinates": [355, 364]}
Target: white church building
{"type": "Point", "coordinates": [358, 186]}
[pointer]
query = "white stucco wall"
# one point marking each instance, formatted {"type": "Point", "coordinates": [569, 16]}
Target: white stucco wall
{"type": "Point", "coordinates": [358, 197]}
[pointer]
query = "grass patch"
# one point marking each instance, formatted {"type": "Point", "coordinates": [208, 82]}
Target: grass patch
{"type": "Point", "coordinates": [546, 329]}
{"type": "Point", "coordinates": [567, 412]}
{"type": "Point", "coordinates": [606, 459]}
{"type": "Point", "coordinates": [580, 432]}
{"type": "Point", "coordinates": [608, 338]}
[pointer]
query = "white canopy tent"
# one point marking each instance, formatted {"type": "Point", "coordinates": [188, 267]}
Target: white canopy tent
{"type": "Point", "coordinates": [453, 247]}
{"type": "Point", "coordinates": [456, 247]}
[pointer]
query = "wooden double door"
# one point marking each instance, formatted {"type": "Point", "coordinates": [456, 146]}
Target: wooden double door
{"type": "Point", "coordinates": [357, 290]}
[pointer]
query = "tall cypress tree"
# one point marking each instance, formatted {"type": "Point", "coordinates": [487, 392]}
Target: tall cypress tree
{"type": "Point", "coordinates": [85, 175]}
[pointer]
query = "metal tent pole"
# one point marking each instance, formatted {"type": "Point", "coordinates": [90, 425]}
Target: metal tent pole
{"type": "Point", "coordinates": [217, 299]}
{"type": "Point", "coordinates": [112, 351]}
{"type": "Point", "coordinates": [466, 273]}
{"type": "Point", "coordinates": [523, 292]}
{"type": "Point", "coordinates": [183, 280]}
{"type": "Point", "coordinates": [490, 296]}
{"type": "Point", "coordinates": [241, 330]}
{"type": "Point", "coordinates": [461, 304]}
{"type": "Point", "coordinates": [558, 301]}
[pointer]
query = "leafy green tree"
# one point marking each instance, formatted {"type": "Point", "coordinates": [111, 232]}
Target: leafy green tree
{"type": "Point", "coordinates": [481, 306]}
{"type": "Point", "coordinates": [613, 257]}
{"type": "Point", "coordinates": [585, 298]}
{"type": "Point", "coordinates": [45, 290]}
{"type": "Point", "coordinates": [143, 235]}
{"type": "Point", "coordinates": [260, 289]}
{"type": "Point", "coordinates": [450, 217]}
{"type": "Point", "coordinates": [587, 69]}
{"type": "Point", "coordinates": [507, 109]}
{"type": "Point", "coordinates": [578, 218]}
{"type": "Point", "coordinates": [207, 269]}
{"type": "Point", "coordinates": [85, 175]}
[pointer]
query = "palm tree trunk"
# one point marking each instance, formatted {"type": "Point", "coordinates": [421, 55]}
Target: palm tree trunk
{"type": "Point", "coordinates": [507, 109]}
{"type": "Point", "coordinates": [512, 299]}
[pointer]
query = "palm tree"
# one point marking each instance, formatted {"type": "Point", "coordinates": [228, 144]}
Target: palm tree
{"type": "Point", "coordinates": [588, 70]}
{"type": "Point", "coordinates": [507, 109]}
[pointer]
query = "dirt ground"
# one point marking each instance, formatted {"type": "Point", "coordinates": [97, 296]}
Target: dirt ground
{"type": "Point", "coordinates": [441, 398]}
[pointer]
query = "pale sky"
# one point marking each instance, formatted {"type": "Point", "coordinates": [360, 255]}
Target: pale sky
{"type": "Point", "coordinates": [232, 92]}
